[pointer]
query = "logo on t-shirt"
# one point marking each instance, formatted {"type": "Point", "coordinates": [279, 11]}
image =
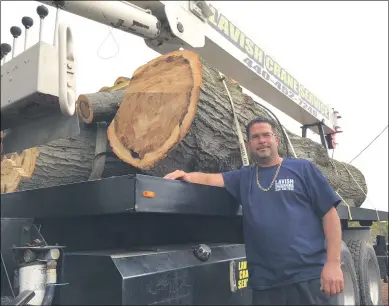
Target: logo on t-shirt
{"type": "Point", "coordinates": [284, 184]}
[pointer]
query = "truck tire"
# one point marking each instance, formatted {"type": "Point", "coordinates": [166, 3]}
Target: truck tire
{"type": "Point", "coordinates": [368, 271]}
{"type": "Point", "coordinates": [350, 295]}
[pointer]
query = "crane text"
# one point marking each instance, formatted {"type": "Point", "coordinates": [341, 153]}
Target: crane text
{"type": "Point", "coordinates": [266, 67]}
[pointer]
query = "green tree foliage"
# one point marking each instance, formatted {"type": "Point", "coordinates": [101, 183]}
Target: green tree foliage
{"type": "Point", "coordinates": [376, 228]}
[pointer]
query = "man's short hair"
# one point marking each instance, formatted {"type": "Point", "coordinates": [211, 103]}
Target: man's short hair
{"type": "Point", "coordinates": [260, 120]}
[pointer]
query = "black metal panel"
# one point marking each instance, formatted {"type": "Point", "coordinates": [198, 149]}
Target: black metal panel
{"type": "Point", "coordinates": [92, 280]}
{"type": "Point", "coordinates": [39, 131]}
{"type": "Point", "coordinates": [133, 230]}
{"type": "Point", "coordinates": [173, 196]}
{"type": "Point", "coordinates": [164, 276]}
{"type": "Point", "coordinates": [178, 277]}
{"type": "Point", "coordinates": [361, 214]}
{"type": "Point", "coordinates": [123, 194]}
{"type": "Point", "coordinates": [107, 196]}
{"type": "Point", "coordinates": [118, 195]}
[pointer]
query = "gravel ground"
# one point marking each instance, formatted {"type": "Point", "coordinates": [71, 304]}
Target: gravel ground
{"type": "Point", "coordinates": [384, 293]}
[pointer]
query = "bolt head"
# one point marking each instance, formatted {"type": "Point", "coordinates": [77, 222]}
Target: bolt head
{"type": "Point", "coordinates": [180, 27]}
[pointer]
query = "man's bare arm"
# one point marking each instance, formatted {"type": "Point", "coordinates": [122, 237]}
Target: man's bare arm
{"type": "Point", "coordinates": [333, 234]}
{"type": "Point", "coordinates": [212, 179]}
{"type": "Point", "coordinates": [332, 281]}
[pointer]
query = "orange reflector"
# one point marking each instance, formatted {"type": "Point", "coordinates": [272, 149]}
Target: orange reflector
{"type": "Point", "coordinates": [148, 194]}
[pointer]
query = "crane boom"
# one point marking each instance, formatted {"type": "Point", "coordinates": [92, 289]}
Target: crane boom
{"type": "Point", "coordinates": [221, 43]}
{"type": "Point", "coordinates": [166, 26]}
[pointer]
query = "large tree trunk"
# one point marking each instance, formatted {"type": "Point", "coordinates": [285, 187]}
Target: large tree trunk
{"type": "Point", "coordinates": [64, 161]}
{"type": "Point", "coordinates": [177, 115]}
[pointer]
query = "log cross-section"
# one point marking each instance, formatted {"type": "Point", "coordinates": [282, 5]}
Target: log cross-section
{"type": "Point", "coordinates": [99, 106]}
{"type": "Point", "coordinates": [158, 110]}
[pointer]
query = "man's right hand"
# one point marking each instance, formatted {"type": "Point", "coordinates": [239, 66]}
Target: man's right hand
{"type": "Point", "coordinates": [213, 179]}
{"type": "Point", "coordinates": [178, 174]}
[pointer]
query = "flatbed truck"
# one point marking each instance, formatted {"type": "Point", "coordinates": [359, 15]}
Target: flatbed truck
{"type": "Point", "coordinates": [106, 241]}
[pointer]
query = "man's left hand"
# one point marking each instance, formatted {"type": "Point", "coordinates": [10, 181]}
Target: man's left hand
{"type": "Point", "coordinates": [331, 281]}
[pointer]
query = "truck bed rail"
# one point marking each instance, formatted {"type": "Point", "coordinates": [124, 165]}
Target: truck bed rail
{"type": "Point", "coordinates": [125, 194]}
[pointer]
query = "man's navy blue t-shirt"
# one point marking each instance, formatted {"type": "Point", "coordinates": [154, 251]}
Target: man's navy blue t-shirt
{"type": "Point", "coordinates": [283, 229]}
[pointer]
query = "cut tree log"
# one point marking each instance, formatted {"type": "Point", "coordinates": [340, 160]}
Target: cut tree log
{"type": "Point", "coordinates": [121, 79]}
{"type": "Point", "coordinates": [63, 161]}
{"type": "Point", "coordinates": [17, 166]}
{"type": "Point", "coordinates": [160, 104]}
{"type": "Point", "coordinates": [101, 106]}
{"type": "Point", "coordinates": [98, 107]}
{"type": "Point", "coordinates": [176, 114]}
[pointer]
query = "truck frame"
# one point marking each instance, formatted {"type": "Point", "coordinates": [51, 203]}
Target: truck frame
{"type": "Point", "coordinates": [138, 239]}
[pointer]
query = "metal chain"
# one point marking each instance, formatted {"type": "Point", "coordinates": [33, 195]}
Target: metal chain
{"type": "Point", "coordinates": [274, 179]}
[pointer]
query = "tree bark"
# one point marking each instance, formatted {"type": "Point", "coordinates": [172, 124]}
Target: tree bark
{"type": "Point", "coordinates": [103, 105]}
{"type": "Point", "coordinates": [100, 106]}
{"type": "Point", "coordinates": [64, 161]}
{"type": "Point", "coordinates": [177, 115]}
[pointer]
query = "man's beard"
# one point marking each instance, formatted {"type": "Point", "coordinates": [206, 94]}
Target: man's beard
{"type": "Point", "coordinates": [261, 159]}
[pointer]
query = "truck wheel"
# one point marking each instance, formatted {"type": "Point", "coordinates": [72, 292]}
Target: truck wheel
{"type": "Point", "coordinates": [350, 295]}
{"type": "Point", "coordinates": [368, 271]}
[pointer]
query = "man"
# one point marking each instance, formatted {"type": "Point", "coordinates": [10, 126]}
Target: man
{"type": "Point", "coordinates": [291, 227]}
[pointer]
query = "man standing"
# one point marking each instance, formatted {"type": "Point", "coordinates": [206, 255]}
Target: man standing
{"type": "Point", "coordinates": [292, 230]}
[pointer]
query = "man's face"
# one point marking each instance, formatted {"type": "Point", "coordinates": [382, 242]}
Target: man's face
{"type": "Point", "coordinates": [263, 144]}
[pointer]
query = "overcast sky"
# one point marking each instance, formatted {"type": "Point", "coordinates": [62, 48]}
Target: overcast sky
{"type": "Point", "coordinates": [338, 50]}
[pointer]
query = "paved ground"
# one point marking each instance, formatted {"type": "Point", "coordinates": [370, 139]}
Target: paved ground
{"type": "Point", "coordinates": [384, 294]}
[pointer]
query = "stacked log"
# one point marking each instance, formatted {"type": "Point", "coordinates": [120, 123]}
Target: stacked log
{"type": "Point", "coordinates": [16, 167]}
{"type": "Point", "coordinates": [174, 113]}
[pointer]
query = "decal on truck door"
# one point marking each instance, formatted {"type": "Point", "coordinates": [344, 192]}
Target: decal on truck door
{"type": "Point", "coordinates": [239, 275]}
{"type": "Point", "coordinates": [266, 67]}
